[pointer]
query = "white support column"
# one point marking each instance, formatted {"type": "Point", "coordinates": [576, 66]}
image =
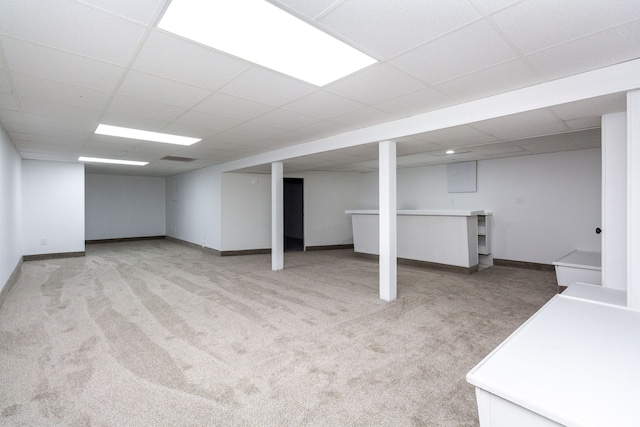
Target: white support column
{"type": "Point", "coordinates": [277, 217]}
{"type": "Point", "coordinates": [633, 199]}
{"type": "Point", "coordinates": [388, 230]}
{"type": "Point", "coordinates": [614, 200]}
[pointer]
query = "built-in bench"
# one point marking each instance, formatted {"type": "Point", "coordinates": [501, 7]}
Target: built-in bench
{"type": "Point", "coordinates": [579, 266]}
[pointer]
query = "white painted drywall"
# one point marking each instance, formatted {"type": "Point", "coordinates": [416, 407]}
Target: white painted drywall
{"type": "Point", "coordinates": [559, 195]}
{"type": "Point", "coordinates": [614, 200]}
{"type": "Point", "coordinates": [193, 212]}
{"type": "Point", "coordinates": [124, 206]}
{"type": "Point", "coordinates": [53, 207]}
{"type": "Point", "coordinates": [326, 196]}
{"type": "Point", "coordinates": [246, 211]}
{"type": "Point", "coordinates": [246, 208]}
{"type": "Point", "coordinates": [10, 208]}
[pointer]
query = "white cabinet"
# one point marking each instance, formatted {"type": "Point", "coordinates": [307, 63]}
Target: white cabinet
{"type": "Point", "coordinates": [573, 363]}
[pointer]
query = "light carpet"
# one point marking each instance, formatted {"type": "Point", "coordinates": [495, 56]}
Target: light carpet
{"type": "Point", "coordinates": [155, 333]}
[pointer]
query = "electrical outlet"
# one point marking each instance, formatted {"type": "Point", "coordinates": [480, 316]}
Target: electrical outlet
{"type": "Point", "coordinates": [43, 241]}
{"type": "Point", "coordinates": [520, 200]}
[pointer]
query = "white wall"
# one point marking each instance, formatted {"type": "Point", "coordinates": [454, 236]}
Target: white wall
{"type": "Point", "coordinates": [124, 206]}
{"type": "Point", "coordinates": [10, 208]}
{"type": "Point", "coordinates": [326, 196]}
{"type": "Point", "coordinates": [246, 208]}
{"type": "Point", "coordinates": [560, 195]}
{"type": "Point", "coordinates": [193, 207]}
{"type": "Point", "coordinates": [246, 211]}
{"type": "Point", "coordinates": [53, 207]}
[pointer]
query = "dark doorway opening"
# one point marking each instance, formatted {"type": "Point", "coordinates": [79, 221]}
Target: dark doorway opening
{"type": "Point", "coordinates": [293, 214]}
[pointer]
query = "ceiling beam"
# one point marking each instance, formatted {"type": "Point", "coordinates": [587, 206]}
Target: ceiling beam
{"type": "Point", "coordinates": [604, 81]}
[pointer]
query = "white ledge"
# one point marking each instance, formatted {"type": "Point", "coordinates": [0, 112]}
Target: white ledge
{"type": "Point", "coordinates": [419, 212]}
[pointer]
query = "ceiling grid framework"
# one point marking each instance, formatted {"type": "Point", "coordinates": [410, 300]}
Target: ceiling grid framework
{"type": "Point", "coordinates": [68, 65]}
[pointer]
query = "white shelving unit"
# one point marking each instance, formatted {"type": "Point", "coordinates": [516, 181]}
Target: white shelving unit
{"type": "Point", "coordinates": [485, 258]}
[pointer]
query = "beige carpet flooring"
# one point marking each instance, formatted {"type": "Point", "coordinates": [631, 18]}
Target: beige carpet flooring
{"type": "Point", "coordinates": [155, 333]}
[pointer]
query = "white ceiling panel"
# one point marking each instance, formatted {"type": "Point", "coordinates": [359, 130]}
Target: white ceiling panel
{"type": "Point", "coordinates": [232, 106]}
{"type": "Point", "coordinates": [145, 86]}
{"type": "Point", "coordinates": [323, 104]}
{"type": "Point", "coordinates": [500, 78]}
{"type": "Point", "coordinates": [280, 90]}
{"type": "Point", "coordinates": [309, 9]}
{"type": "Point", "coordinates": [588, 53]}
{"type": "Point", "coordinates": [491, 6]}
{"type": "Point", "coordinates": [433, 54]}
{"type": "Point", "coordinates": [411, 21]}
{"type": "Point", "coordinates": [143, 11]}
{"type": "Point", "coordinates": [71, 26]}
{"type": "Point", "coordinates": [472, 48]}
{"type": "Point", "coordinates": [375, 84]}
{"type": "Point", "coordinates": [428, 99]}
{"type": "Point", "coordinates": [38, 61]}
{"type": "Point", "coordinates": [515, 122]}
{"type": "Point", "coordinates": [363, 117]}
{"type": "Point", "coordinates": [169, 56]}
{"type": "Point", "coordinates": [595, 107]}
{"type": "Point", "coordinates": [213, 124]}
{"type": "Point", "coordinates": [125, 105]}
{"type": "Point", "coordinates": [534, 25]}
{"type": "Point", "coordinates": [285, 119]}
{"type": "Point", "coordinates": [59, 92]}
{"type": "Point", "coordinates": [8, 102]}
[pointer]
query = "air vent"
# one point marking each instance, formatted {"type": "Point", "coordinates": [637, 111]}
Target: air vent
{"type": "Point", "coordinates": [178, 159]}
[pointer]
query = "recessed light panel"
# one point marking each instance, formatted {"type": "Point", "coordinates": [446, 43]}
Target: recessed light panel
{"type": "Point", "coordinates": [111, 161]}
{"type": "Point", "coordinates": [262, 33]}
{"type": "Point", "coordinates": [145, 135]}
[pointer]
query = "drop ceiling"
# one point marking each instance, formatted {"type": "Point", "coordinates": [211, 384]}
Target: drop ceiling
{"type": "Point", "coordinates": [68, 65]}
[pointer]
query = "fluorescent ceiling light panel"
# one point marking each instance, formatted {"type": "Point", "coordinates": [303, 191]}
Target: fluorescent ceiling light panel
{"type": "Point", "coordinates": [111, 161]}
{"type": "Point", "coordinates": [145, 135]}
{"type": "Point", "coordinates": [264, 34]}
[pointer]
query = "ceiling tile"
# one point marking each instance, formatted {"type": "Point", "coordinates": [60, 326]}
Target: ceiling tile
{"type": "Point", "coordinates": [414, 103]}
{"type": "Point", "coordinates": [588, 53]}
{"type": "Point", "coordinates": [46, 63]}
{"type": "Point", "coordinates": [308, 8]}
{"type": "Point", "coordinates": [558, 22]}
{"type": "Point", "coordinates": [489, 81]}
{"type": "Point", "coordinates": [72, 26]}
{"type": "Point", "coordinates": [411, 22]}
{"type": "Point", "coordinates": [285, 119]}
{"type": "Point", "coordinates": [209, 122]}
{"type": "Point", "coordinates": [590, 138]}
{"type": "Point", "coordinates": [140, 10]}
{"type": "Point", "coordinates": [158, 89]}
{"type": "Point", "coordinates": [363, 117]}
{"type": "Point", "coordinates": [516, 122]}
{"type": "Point", "coordinates": [267, 87]}
{"type": "Point", "coordinates": [491, 6]}
{"type": "Point", "coordinates": [388, 82]}
{"type": "Point", "coordinates": [125, 105]}
{"type": "Point", "coordinates": [61, 93]}
{"type": "Point", "coordinates": [614, 103]}
{"type": "Point", "coordinates": [231, 106]}
{"type": "Point", "coordinates": [172, 57]}
{"type": "Point", "coordinates": [461, 52]}
{"type": "Point", "coordinates": [323, 104]}
{"type": "Point", "coordinates": [497, 148]}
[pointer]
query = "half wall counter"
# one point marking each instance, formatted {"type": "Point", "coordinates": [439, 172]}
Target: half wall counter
{"type": "Point", "coordinates": [439, 238]}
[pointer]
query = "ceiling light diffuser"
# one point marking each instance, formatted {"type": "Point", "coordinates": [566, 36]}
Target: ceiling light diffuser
{"type": "Point", "coordinates": [145, 135]}
{"type": "Point", "coordinates": [111, 161]}
{"type": "Point", "coordinates": [262, 33]}
{"type": "Point", "coordinates": [449, 152]}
